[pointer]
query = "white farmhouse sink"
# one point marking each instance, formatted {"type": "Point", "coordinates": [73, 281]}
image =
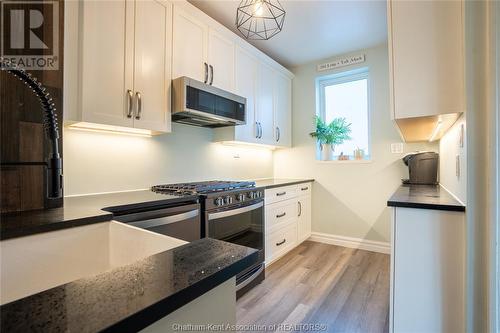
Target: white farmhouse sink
{"type": "Point", "coordinates": [36, 263]}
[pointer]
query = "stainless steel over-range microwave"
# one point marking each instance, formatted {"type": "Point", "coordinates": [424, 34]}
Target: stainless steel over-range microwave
{"type": "Point", "coordinates": [200, 104]}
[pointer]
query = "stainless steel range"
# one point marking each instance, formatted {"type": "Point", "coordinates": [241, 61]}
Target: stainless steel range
{"type": "Point", "coordinates": [232, 211]}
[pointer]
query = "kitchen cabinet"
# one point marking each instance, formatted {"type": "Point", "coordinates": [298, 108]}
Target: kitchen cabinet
{"type": "Point", "coordinates": [304, 216]}
{"type": "Point", "coordinates": [282, 110]}
{"type": "Point", "coordinates": [221, 60]}
{"type": "Point", "coordinates": [287, 219]}
{"type": "Point", "coordinates": [200, 51]}
{"type": "Point", "coordinates": [268, 93]}
{"type": "Point", "coordinates": [152, 64]}
{"type": "Point", "coordinates": [427, 271]}
{"type": "Point", "coordinates": [426, 55]}
{"type": "Point", "coordinates": [190, 44]}
{"type": "Point", "coordinates": [131, 88]}
{"type": "Point", "coordinates": [265, 111]}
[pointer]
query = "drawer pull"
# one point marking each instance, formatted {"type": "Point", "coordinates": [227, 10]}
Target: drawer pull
{"type": "Point", "coordinates": [280, 215]}
{"type": "Point", "coordinates": [281, 243]}
{"type": "Point", "coordinates": [280, 194]}
{"type": "Point", "coordinates": [304, 188]}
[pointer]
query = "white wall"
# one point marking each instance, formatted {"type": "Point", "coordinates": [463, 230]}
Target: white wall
{"type": "Point", "coordinates": [449, 149]}
{"type": "Point", "coordinates": [349, 199]}
{"type": "Point", "coordinates": [101, 162]}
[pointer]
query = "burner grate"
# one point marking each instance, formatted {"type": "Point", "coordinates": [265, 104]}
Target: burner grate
{"type": "Point", "coordinates": [202, 187]}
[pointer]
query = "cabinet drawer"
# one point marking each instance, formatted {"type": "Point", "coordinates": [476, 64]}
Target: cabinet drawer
{"type": "Point", "coordinates": [281, 213]}
{"type": "Point", "coordinates": [304, 189]}
{"type": "Point", "coordinates": [281, 241]}
{"type": "Point", "coordinates": [280, 193]}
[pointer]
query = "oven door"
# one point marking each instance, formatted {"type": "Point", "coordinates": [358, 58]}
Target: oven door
{"type": "Point", "coordinates": [242, 225]}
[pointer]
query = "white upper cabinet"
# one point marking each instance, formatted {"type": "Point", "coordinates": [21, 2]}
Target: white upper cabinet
{"type": "Point", "coordinates": [190, 42]}
{"type": "Point", "coordinates": [265, 112]}
{"type": "Point", "coordinates": [426, 41]}
{"type": "Point", "coordinates": [246, 79]}
{"type": "Point", "coordinates": [130, 88]}
{"type": "Point", "coordinates": [200, 51]}
{"type": "Point", "coordinates": [104, 84]}
{"type": "Point", "coordinates": [268, 93]}
{"type": "Point", "coordinates": [221, 60]}
{"type": "Point", "coordinates": [282, 110]}
{"type": "Point", "coordinates": [152, 64]}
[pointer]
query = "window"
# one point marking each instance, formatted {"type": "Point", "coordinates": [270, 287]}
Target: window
{"type": "Point", "coordinates": [346, 95]}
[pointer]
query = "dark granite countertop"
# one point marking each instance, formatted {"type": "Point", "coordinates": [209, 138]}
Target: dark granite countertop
{"type": "Point", "coordinates": [131, 297]}
{"type": "Point", "coordinates": [82, 210]}
{"type": "Point", "coordinates": [426, 197]}
{"type": "Point", "coordinates": [272, 182]}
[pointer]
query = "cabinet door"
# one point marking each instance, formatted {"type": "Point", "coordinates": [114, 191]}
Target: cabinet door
{"type": "Point", "coordinates": [152, 64]}
{"type": "Point", "coordinates": [221, 60]}
{"type": "Point", "coordinates": [246, 76]}
{"type": "Point", "coordinates": [427, 57]}
{"type": "Point", "coordinates": [428, 271]}
{"type": "Point", "coordinates": [265, 112]}
{"type": "Point", "coordinates": [190, 38]}
{"type": "Point", "coordinates": [282, 111]}
{"type": "Point", "coordinates": [107, 61]}
{"type": "Point", "coordinates": [304, 214]}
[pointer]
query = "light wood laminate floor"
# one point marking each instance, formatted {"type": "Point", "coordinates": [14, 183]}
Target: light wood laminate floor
{"type": "Point", "coordinates": [340, 289]}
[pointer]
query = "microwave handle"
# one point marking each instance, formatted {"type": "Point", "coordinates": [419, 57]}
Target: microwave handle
{"type": "Point", "coordinates": [236, 211]}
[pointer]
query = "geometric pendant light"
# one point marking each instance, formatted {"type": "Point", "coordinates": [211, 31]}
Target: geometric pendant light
{"type": "Point", "coordinates": [260, 19]}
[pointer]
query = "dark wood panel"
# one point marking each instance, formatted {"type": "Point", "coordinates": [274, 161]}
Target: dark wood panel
{"type": "Point", "coordinates": [345, 289]}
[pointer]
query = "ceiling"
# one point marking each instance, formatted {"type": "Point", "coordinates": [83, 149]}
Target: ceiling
{"type": "Point", "coordinates": [313, 29]}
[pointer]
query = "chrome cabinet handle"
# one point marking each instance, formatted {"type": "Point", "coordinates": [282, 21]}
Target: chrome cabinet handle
{"type": "Point", "coordinates": [281, 215]}
{"type": "Point", "coordinates": [280, 194]}
{"type": "Point", "coordinates": [260, 131]}
{"type": "Point", "coordinates": [139, 105]}
{"type": "Point", "coordinates": [282, 242]}
{"type": "Point", "coordinates": [130, 95]}
{"type": "Point", "coordinates": [211, 74]}
{"type": "Point", "coordinates": [206, 72]}
{"type": "Point", "coordinates": [304, 188]}
{"type": "Point", "coordinates": [278, 134]}
{"type": "Point", "coordinates": [300, 208]}
{"type": "Point", "coordinates": [257, 130]}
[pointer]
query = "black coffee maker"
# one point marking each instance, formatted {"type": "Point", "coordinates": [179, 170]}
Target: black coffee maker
{"type": "Point", "coordinates": [422, 168]}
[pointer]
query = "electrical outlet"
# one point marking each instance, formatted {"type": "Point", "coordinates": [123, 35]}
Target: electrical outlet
{"type": "Point", "coordinates": [397, 148]}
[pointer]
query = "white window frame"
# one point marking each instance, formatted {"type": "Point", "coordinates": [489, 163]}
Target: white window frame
{"type": "Point", "coordinates": [343, 77]}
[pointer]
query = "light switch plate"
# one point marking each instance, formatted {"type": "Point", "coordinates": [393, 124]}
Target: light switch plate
{"type": "Point", "coordinates": [397, 148]}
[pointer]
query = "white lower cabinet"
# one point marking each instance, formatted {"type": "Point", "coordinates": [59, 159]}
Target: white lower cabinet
{"type": "Point", "coordinates": [287, 219]}
{"type": "Point", "coordinates": [304, 218]}
{"type": "Point", "coordinates": [427, 271]}
{"type": "Point", "coordinates": [281, 241]}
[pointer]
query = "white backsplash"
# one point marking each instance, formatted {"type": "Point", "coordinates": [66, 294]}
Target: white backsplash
{"type": "Point", "coordinates": [103, 162]}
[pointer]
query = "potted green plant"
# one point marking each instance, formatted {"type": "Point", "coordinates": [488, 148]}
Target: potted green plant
{"type": "Point", "coordinates": [330, 135]}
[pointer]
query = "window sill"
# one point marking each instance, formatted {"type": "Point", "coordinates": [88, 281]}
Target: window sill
{"type": "Point", "coordinates": [346, 161]}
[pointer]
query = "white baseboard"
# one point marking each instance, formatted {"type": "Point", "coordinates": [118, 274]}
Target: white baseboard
{"type": "Point", "coordinates": [351, 242]}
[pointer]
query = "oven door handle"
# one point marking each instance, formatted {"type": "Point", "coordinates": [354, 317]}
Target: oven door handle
{"type": "Point", "coordinates": [232, 212]}
{"type": "Point", "coordinates": [165, 220]}
{"type": "Point", "coordinates": [249, 279]}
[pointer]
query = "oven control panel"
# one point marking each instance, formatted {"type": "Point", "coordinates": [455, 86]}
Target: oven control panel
{"type": "Point", "coordinates": [226, 199]}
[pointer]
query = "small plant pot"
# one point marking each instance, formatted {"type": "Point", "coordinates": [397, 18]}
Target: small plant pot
{"type": "Point", "coordinates": [326, 152]}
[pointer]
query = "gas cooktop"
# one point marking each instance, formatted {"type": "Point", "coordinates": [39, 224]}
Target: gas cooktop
{"type": "Point", "coordinates": [202, 187]}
